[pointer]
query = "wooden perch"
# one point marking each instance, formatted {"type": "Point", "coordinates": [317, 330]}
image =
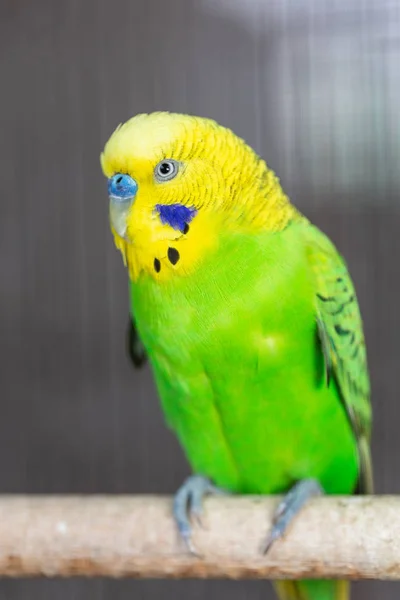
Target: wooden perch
{"type": "Point", "coordinates": [116, 536]}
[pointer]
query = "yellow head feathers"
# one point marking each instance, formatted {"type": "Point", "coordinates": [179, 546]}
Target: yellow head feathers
{"type": "Point", "coordinates": [176, 182]}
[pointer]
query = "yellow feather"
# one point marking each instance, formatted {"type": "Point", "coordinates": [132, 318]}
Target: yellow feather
{"type": "Point", "coordinates": [211, 157]}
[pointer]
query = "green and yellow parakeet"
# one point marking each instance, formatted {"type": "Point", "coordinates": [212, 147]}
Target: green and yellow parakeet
{"type": "Point", "coordinates": [248, 317]}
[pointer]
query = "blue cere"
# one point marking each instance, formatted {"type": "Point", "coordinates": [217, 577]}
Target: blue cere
{"type": "Point", "coordinates": [122, 187]}
{"type": "Point", "coordinates": [177, 216]}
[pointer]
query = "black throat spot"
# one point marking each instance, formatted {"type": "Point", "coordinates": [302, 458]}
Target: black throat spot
{"type": "Point", "coordinates": [173, 255]}
{"type": "Point", "coordinates": [157, 265]}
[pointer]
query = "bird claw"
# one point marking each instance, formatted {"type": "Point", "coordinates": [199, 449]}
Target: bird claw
{"type": "Point", "coordinates": [289, 507]}
{"type": "Point", "coordinates": [188, 505]}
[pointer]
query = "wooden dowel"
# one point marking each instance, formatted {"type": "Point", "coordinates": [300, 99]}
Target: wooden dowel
{"type": "Point", "coordinates": [135, 536]}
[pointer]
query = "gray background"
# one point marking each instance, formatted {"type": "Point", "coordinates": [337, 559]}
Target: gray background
{"type": "Point", "coordinates": [313, 86]}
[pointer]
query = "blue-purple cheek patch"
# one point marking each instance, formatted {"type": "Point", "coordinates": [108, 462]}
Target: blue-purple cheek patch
{"type": "Point", "coordinates": [177, 216]}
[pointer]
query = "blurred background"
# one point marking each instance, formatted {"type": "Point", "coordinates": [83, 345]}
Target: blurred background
{"type": "Point", "coordinates": [313, 85]}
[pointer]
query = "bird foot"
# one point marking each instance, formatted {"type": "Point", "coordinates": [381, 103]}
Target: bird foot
{"type": "Point", "coordinates": [290, 506]}
{"type": "Point", "coordinates": [188, 504]}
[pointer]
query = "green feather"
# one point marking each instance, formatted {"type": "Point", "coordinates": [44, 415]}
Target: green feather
{"type": "Point", "coordinates": [342, 341]}
{"type": "Point", "coordinates": [312, 589]}
{"type": "Point", "coordinates": [242, 351]}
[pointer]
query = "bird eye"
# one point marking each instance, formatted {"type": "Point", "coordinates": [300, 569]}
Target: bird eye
{"type": "Point", "coordinates": [166, 170]}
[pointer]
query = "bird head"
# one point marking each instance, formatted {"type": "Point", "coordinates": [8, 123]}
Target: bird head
{"type": "Point", "coordinates": [176, 184]}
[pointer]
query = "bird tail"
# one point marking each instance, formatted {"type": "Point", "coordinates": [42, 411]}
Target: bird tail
{"type": "Point", "coordinates": [312, 589]}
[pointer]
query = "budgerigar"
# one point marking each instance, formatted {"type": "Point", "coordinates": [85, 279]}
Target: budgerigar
{"type": "Point", "coordinates": [248, 317]}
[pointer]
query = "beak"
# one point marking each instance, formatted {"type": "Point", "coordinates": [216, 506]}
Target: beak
{"type": "Point", "coordinates": [121, 192]}
{"type": "Point", "coordinates": [118, 215]}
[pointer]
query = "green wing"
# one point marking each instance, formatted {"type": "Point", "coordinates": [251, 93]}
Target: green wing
{"type": "Point", "coordinates": [342, 342]}
{"type": "Point", "coordinates": [134, 345]}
